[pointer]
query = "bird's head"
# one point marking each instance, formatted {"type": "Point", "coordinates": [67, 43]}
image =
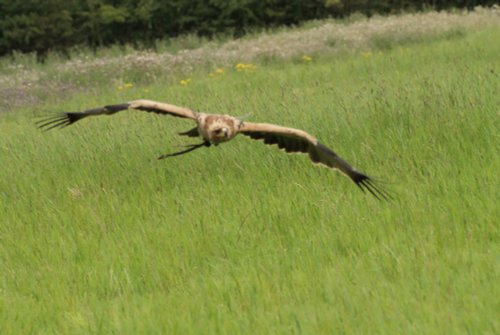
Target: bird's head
{"type": "Point", "coordinates": [221, 133]}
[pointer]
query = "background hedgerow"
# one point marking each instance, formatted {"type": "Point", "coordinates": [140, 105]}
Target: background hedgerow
{"type": "Point", "coordinates": [60, 25]}
{"type": "Point", "coordinates": [25, 82]}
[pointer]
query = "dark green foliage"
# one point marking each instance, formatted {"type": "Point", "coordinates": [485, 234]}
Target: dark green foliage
{"type": "Point", "coordinates": [36, 25]}
{"type": "Point", "coordinates": [57, 25]}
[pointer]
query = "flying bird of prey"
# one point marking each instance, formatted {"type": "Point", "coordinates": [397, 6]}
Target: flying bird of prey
{"type": "Point", "coordinates": [215, 129]}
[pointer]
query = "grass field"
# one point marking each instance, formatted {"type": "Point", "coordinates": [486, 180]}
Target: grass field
{"type": "Point", "coordinates": [99, 237]}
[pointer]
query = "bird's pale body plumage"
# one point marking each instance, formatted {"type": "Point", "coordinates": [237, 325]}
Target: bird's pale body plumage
{"type": "Point", "coordinates": [216, 128]}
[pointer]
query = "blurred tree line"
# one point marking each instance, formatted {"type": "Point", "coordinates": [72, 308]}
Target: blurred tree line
{"type": "Point", "coordinates": [57, 25]}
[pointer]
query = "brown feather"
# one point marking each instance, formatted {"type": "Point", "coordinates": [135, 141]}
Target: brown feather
{"type": "Point", "coordinates": [295, 140]}
{"type": "Point", "coordinates": [65, 119]}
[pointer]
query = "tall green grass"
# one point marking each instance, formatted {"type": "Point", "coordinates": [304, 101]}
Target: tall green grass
{"type": "Point", "coordinates": [97, 236]}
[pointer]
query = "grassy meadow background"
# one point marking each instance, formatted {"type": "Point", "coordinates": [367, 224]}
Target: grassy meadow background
{"type": "Point", "coordinates": [99, 237]}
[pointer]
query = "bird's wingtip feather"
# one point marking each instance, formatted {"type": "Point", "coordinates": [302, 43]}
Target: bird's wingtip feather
{"type": "Point", "coordinates": [367, 183]}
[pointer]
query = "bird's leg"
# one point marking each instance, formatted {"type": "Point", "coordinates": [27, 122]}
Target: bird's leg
{"type": "Point", "coordinates": [189, 149]}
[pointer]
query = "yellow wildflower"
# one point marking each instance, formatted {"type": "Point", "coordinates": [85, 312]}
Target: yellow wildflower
{"type": "Point", "coordinates": [185, 82]}
{"type": "Point", "coordinates": [307, 58]}
{"type": "Point", "coordinates": [245, 67]}
{"type": "Point", "coordinates": [367, 54]}
{"type": "Point", "coordinates": [216, 72]}
{"type": "Point", "coordinates": [125, 86]}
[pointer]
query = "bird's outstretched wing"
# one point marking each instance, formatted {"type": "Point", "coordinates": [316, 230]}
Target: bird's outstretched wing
{"type": "Point", "coordinates": [65, 119]}
{"type": "Point", "coordinates": [296, 140]}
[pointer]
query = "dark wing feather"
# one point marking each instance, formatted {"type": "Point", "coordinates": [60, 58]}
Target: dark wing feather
{"type": "Point", "coordinates": [65, 119]}
{"type": "Point", "coordinates": [191, 132]}
{"type": "Point", "coordinates": [324, 155]}
{"type": "Point", "coordinates": [295, 140]}
{"type": "Point", "coordinates": [289, 144]}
